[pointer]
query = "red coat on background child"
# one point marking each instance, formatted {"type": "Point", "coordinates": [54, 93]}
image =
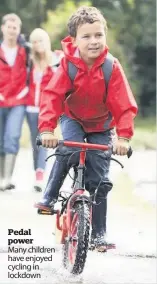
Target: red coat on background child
{"type": "Point", "coordinates": [13, 89]}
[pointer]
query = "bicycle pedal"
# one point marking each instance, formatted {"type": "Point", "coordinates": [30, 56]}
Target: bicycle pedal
{"type": "Point", "coordinates": [47, 212]}
{"type": "Point", "coordinates": [44, 212]}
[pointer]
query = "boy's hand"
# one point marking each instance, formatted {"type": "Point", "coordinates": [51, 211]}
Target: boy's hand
{"type": "Point", "coordinates": [49, 140]}
{"type": "Point", "coordinates": [121, 147]}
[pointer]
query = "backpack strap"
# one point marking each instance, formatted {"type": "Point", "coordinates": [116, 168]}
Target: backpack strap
{"type": "Point", "coordinates": [29, 68]}
{"type": "Point", "coordinates": [107, 68]}
{"type": "Point", "coordinates": [29, 62]}
{"type": "Point", "coordinates": [72, 71]}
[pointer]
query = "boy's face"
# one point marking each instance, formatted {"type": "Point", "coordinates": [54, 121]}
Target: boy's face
{"type": "Point", "coordinates": [11, 30]}
{"type": "Point", "coordinates": [90, 40]}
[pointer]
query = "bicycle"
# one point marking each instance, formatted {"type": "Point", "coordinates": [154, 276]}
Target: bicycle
{"type": "Point", "coordinates": [76, 211]}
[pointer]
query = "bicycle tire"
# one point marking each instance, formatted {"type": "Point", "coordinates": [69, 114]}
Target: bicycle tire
{"type": "Point", "coordinates": [82, 211]}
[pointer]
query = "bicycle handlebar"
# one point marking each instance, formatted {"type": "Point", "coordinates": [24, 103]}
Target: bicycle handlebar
{"type": "Point", "coordinates": [83, 145]}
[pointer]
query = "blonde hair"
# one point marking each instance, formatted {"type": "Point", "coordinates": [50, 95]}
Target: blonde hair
{"type": "Point", "coordinates": [36, 34]}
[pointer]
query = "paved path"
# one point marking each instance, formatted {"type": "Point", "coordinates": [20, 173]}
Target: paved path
{"type": "Point", "coordinates": [133, 231]}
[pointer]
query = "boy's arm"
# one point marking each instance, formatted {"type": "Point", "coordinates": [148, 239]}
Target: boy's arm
{"type": "Point", "coordinates": [52, 99]}
{"type": "Point", "coordinates": [121, 102]}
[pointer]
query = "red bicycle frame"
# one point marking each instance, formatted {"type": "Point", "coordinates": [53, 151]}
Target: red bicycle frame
{"type": "Point", "coordinates": [79, 188]}
{"type": "Point", "coordinates": [76, 210]}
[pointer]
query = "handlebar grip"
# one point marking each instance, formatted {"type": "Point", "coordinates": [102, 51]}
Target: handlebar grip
{"type": "Point", "coordinates": [129, 153]}
{"type": "Point", "coordinates": [39, 143]}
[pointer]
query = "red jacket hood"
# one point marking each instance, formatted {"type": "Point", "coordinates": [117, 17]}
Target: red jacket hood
{"type": "Point", "coordinates": [70, 52]}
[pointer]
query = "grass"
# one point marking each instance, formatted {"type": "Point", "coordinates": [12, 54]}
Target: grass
{"type": "Point", "coordinates": [145, 133]}
{"type": "Point", "coordinates": [146, 124]}
{"type": "Point", "coordinates": [144, 140]}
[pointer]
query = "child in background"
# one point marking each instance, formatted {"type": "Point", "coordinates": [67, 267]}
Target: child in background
{"type": "Point", "coordinates": [44, 65]}
{"type": "Point", "coordinates": [89, 112]}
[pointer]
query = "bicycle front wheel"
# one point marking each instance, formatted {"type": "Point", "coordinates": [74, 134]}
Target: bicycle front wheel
{"type": "Point", "coordinates": [76, 244]}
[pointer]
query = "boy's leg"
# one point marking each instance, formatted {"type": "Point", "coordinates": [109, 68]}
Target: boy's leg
{"type": "Point", "coordinates": [39, 154]}
{"type": "Point", "coordinates": [12, 136]}
{"type": "Point", "coordinates": [98, 163]}
{"type": "Point", "coordinates": [72, 131]}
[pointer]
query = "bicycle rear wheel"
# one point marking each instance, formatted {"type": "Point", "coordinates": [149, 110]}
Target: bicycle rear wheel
{"type": "Point", "coordinates": [76, 245]}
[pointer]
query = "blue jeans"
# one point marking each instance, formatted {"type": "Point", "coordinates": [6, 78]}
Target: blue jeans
{"type": "Point", "coordinates": [97, 165]}
{"type": "Point", "coordinates": [39, 154]}
{"type": "Point", "coordinates": [11, 120]}
{"type": "Point", "coordinates": [97, 169]}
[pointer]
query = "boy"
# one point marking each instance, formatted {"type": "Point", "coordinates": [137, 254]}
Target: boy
{"type": "Point", "coordinates": [13, 91]}
{"type": "Point", "coordinates": [88, 113]}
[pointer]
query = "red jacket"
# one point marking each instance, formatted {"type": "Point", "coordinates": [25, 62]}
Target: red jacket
{"type": "Point", "coordinates": [13, 89]}
{"type": "Point", "coordinates": [88, 103]}
{"type": "Point", "coordinates": [34, 97]}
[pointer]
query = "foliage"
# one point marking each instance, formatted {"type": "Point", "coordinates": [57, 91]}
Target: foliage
{"type": "Point", "coordinates": [56, 24]}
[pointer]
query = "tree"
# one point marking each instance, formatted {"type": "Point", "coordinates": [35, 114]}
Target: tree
{"type": "Point", "coordinates": [56, 24]}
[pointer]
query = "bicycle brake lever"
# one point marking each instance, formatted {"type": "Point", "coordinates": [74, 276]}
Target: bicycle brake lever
{"type": "Point", "coordinates": [38, 141]}
{"type": "Point", "coordinates": [129, 153]}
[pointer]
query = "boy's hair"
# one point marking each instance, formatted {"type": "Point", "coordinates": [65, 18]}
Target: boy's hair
{"type": "Point", "coordinates": [85, 15]}
{"type": "Point", "coordinates": [11, 17]}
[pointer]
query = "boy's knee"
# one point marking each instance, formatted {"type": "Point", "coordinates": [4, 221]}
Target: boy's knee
{"type": "Point", "coordinates": [11, 150]}
{"type": "Point", "coordinates": [104, 189]}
